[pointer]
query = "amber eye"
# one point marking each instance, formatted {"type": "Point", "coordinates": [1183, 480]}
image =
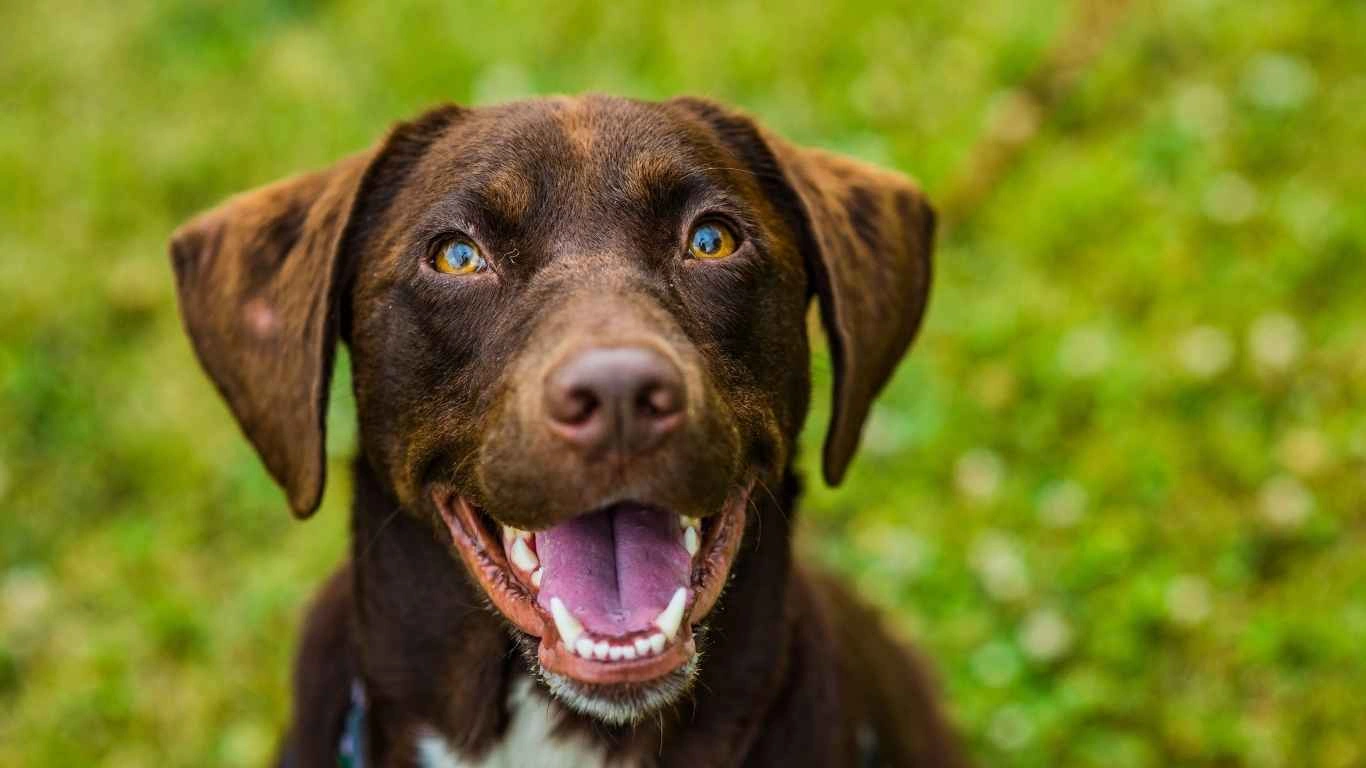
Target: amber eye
{"type": "Point", "coordinates": [711, 240]}
{"type": "Point", "coordinates": [460, 257]}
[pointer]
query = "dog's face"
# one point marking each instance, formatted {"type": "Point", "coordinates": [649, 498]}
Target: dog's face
{"type": "Point", "coordinates": [578, 342]}
{"type": "Point", "coordinates": [564, 337]}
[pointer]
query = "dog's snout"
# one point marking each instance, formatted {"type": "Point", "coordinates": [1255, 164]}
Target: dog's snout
{"type": "Point", "coordinates": [623, 399]}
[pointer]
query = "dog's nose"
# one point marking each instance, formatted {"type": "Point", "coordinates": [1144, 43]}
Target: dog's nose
{"type": "Point", "coordinates": [623, 398]}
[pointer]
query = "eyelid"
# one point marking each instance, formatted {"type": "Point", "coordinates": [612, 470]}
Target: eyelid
{"type": "Point", "coordinates": [738, 226]}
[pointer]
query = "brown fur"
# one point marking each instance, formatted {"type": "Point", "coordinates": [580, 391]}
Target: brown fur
{"type": "Point", "coordinates": [582, 207]}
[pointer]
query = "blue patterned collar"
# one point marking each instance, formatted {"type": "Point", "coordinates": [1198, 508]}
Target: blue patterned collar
{"type": "Point", "coordinates": [351, 748]}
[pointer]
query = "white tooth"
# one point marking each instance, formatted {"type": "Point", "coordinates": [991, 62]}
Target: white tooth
{"type": "Point", "coordinates": [600, 650]}
{"type": "Point", "coordinates": [584, 647]}
{"type": "Point", "coordinates": [568, 626]}
{"type": "Point", "coordinates": [510, 533]}
{"type": "Point", "coordinates": [669, 619]}
{"type": "Point", "coordinates": [690, 542]}
{"type": "Point", "coordinates": [616, 652]}
{"type": "Point", "coordinates": [642, 646]}
{"type": "Point", "coordinates": [628, 652]}
{"type": "Point", "coordinates": [657, 642]}
{"type": "Point", "coordinates": [536, 578]}
{"type": "Point", "coordinates": [522, 556]}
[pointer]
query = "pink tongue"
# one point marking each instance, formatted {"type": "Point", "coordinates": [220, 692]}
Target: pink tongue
{"type": "Point", "coordinates": [615, 569]}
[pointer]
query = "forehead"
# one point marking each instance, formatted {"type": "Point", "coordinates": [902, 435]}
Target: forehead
{"type": "Point", "coordinates": [515, 159]}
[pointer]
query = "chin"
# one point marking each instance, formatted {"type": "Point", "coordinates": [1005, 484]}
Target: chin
{"type": "Point", "coordinates": [608, 606]}
{"type": "Point", "coordinates": [622, 703]}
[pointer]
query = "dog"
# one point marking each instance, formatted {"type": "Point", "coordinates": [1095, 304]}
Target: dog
{"type": "Point", "coordinates": [577, 330]}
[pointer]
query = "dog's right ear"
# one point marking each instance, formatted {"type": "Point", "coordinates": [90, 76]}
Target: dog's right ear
{"type": "Point", "coordinates": [260, 280]}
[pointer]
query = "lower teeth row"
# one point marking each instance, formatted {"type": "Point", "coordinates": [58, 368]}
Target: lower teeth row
{"type": "Point", "coordinates": [602, 650]}
{"type": "Point", "coordinates": [577, 641]}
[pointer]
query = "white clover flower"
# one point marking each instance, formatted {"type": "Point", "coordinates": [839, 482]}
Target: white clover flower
{"type": "Point", "coordinates": [996, 664]}
{"type": "Point", "coordinates": [1279, 81]}
{"type": "Point", "coordinates": [25, 595]}
{"type": "Point", "coordinates": [978, 474]}
{"type": "Point", "coordinates": [1011, 728]}
{"type": "Point", "coordinates": [999, 565]}
{"type": "Point", "coordinates": [1274, 341]}
{"type": "Point", "coordinates": [1205, 351]}
{"type": "Point", "coordinates": [1202, 109]}
{"type": "Point", "coordinates": [1045, 635]}
{"type": "Point", "coordinates": [1062, 504]}
{"type": "Point", "coordinates": [1285, 503]}
{"type": "Point", "coordinates": [1304, 451]}
{"type": "Point", "coordinates": [1231, 199]}
{"type": "Point", "coordinates": [1188, 600]}
{"type": "Point", "coordinates": [1085, 352]}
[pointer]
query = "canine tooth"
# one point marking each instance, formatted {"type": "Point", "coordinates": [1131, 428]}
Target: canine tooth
{"type": "Point", "coordinates": [600, 650]}
{"type": "Point", "coordinates": [690, 541]}
{"type": "Point", "coordinates": [642, 646]}
{"type": "Point", "coordinates": [568, 626]}
{"type": "Point", "coordinates": [616, 652]}
{"type": "Point", "coordinates": [536, 577]}
{"type": "Point", "coordinates": [657, 642]}
{"type": "Point", "coordinates": [669, 619]}
{"type": "Point", "coordinates": [628, 652]}
{"type": "Point", "coordinates": [584, 647]}
{"type": "Point", "coordinates": [522, 556]}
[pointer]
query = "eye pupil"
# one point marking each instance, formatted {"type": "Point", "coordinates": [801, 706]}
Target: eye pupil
{"type": "Point", "coordinates": [460, 258]}
{"type": "Point", "coordinates": [711, 241]}
{"type": "Point", "coordinates": [461, 254]}
{"type": "Point", "coordinates": [707, 239]}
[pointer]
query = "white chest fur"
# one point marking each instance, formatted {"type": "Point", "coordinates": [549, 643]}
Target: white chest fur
{"type": "Point", "coordinates": [530, 739]}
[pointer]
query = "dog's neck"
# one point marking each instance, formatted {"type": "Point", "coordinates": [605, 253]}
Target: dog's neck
{"type": "Point", "coordinates": [433, 657]}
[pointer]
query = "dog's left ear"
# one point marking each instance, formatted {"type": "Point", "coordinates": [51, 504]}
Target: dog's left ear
{"type": "Point", "coordinates": [872, 234]}
{"type": "Point", "coordinates": [867, 238]}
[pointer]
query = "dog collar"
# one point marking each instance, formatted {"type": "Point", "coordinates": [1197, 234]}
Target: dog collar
{"type": "Point", "coordinates": [351, 748]}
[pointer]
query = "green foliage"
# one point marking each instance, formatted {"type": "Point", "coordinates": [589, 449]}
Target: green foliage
{"type": "Point", "coordinates": [1115, 494]}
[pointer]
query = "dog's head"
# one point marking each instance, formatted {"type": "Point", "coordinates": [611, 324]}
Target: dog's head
{"type": "Point", "coordinates": [578, 342]}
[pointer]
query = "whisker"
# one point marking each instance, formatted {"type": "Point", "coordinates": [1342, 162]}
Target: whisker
{"type": "Point", "coordinates": [374, 537]}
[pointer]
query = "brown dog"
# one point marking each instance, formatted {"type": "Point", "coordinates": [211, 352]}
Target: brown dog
{"type": "Point", "coordinates": [580, 364]}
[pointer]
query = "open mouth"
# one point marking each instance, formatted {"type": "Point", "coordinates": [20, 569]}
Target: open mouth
{"type": "Point", "coordinates": [614, 593]}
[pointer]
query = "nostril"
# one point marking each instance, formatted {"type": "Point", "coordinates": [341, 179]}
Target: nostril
{"type": "Point", "coordinates": [570, 404]}
{"type": "Point", "coordinates": [659, 399]}
{"type": "Point", "coordinates": [576, 407]}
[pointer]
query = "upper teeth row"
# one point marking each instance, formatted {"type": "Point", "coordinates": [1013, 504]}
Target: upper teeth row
{"type": "Point", "coordinates": [524, 558]}
{"type": "Point", "coordinates": [577, 640]}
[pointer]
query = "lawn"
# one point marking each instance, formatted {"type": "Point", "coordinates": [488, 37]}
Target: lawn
{"type": "Point", "coordinates": [1115, 492]}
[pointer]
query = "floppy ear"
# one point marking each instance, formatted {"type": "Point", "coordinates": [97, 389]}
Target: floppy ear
{"type": "Point", "coordinates": [871, 235]}
{"type": "Point", "coordinates": [866, 235]}
{"type": "Point", "coordinates": [260, 279]}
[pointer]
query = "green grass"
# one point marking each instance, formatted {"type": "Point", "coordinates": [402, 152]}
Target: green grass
{"type": "Point", "coordinates": [1115, 493]}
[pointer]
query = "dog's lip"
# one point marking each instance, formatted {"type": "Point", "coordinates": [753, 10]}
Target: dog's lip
{"type": "Point", "coordinates": [487, 561]}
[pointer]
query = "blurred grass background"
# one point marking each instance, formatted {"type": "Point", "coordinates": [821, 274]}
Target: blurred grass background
{"type": "Point", "coordinates": [1115, 493]}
